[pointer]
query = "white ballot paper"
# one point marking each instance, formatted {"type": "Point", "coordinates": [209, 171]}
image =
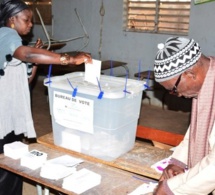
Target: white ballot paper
{"type": "Point", "coordinates": [59, 167]}
{"type": "Point", "coordinates": [93, 72]}
{"type": "Point", "coordinates": [161, 165]}
{"type": "Point", "coordinates": [15, 150]}
{"type": "Point", "coordinates": [144, 189]}
{"type": "Point", "coordinates": [33, 159]}
{"type": "Point", "coordinates": [81, 181]}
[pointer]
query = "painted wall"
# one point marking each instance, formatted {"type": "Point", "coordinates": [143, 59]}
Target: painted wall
{"type": "Point", "coordinates": [119, 45]}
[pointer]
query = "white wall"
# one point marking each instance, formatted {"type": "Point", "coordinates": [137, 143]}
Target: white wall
{"type": "Point", "coordinates": [119, 45]}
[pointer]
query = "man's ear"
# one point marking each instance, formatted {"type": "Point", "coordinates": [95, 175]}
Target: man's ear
{"type": "Point", "coordinates": [190, 73]}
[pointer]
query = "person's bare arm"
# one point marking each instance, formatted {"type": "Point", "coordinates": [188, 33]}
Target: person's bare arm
{"type": "Point", "coordinates": [38, 44]}
{"type": "Point", "coordinates": [42, 56]}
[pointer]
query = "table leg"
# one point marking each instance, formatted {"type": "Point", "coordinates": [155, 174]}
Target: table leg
{"type": "Point", "coordinates": [40, 190]}
{"type": "Point", "coordinates": [46, 191]}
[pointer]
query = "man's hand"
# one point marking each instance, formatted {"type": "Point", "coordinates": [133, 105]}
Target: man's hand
{"type": "Point", "coordinates": [171, 171]}
{"type": "Point", "coordinates": [160, 190]}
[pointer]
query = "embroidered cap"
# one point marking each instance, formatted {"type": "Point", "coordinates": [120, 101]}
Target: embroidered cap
{"type": "Point", "coordinates": [174, 57]}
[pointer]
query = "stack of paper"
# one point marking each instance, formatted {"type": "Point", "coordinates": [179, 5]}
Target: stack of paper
{"type": "Point", "coordinates": [56, 171]}
{"type": "Point", "coordinates": [15, 150]}
{"type": "Point", "coordinates": [81, 181]}
{"type": "Point", "coordinates": [59, 167]}
{"type": "Point", "coordinates": [33, 159]}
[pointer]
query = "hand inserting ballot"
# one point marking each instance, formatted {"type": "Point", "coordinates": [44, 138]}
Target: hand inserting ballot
{"type": "Point", "coordinates": [81, 58]}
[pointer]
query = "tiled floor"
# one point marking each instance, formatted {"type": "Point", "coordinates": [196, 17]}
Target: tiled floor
{"type": "Point", "coordinates": [151, 116]}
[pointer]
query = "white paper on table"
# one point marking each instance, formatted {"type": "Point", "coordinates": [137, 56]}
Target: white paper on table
{"type": "Point", "coordinates": [81, 181]}
{"type": "Point", "coordinates": [144, 189]}
{"type": "Point", "coordinates": [56, 171]}
{"type": "Point", "coordinates": [66, 160]}
{"type": "Point", "coordinates": [161, 165]}
{"type": "Point", "coordinates": [60, 167]}
{"type": "Point", "coordinates": [15, 149]}
{"type": "Point", "coordinates": [33, 159]}
{"type": "Point", "coordinates": [93, 72]}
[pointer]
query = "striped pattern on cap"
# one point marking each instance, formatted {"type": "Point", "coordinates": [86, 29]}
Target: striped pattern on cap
{"type": "Point", "coordinates": [174, 57]}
